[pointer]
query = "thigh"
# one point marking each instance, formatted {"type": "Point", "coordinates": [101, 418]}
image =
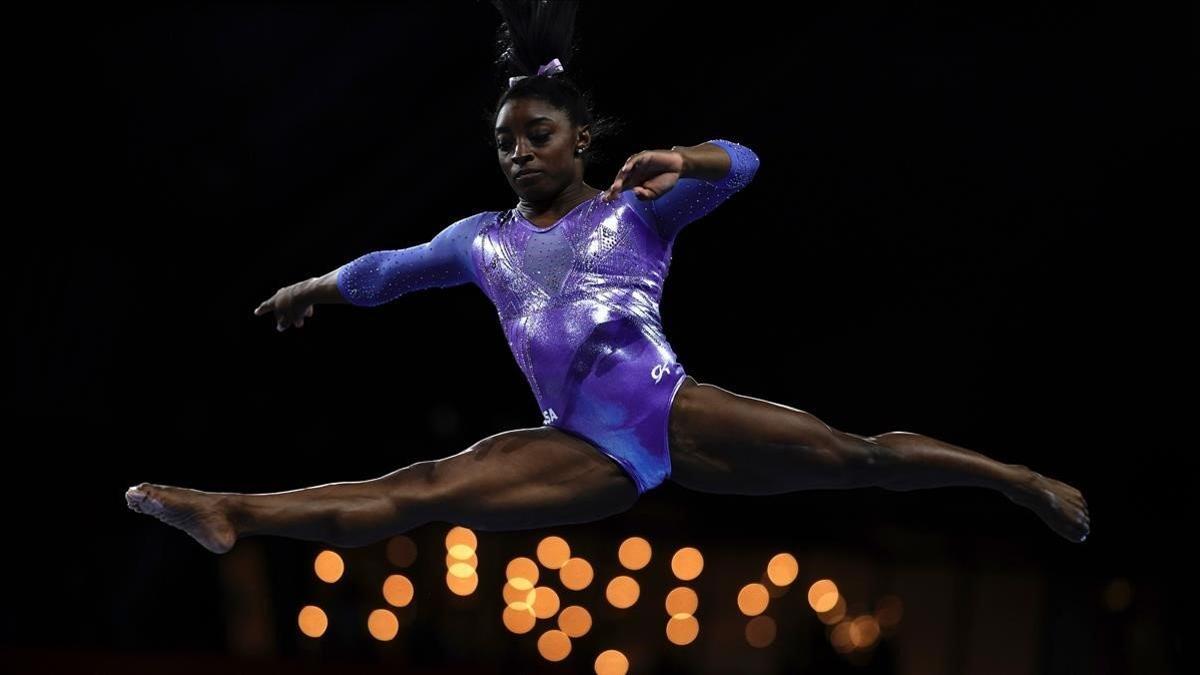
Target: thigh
{"type": "Point", "coordinates": [729, 443]}
{"type": "Point", "coordinates": [526, 478]}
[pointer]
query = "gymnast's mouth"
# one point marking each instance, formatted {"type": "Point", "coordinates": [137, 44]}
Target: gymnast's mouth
{"type": "Point", "coordinates": [526, 175]}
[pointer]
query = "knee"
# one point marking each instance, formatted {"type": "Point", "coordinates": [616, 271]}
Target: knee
{"type": "Point", "coordinates": [901, 439]}
{"type": "Point", "coordinates": [862, 453]}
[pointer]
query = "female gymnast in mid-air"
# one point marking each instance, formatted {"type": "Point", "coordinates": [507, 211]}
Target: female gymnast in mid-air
{"type": "Point", "coordinates": [576, 274]}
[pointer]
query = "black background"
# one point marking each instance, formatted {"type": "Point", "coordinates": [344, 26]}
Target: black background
{"type": "Point", "coordinates": [948, 234]}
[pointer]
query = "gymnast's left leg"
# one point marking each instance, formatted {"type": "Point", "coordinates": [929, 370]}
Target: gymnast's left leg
{"type": "Point", "coordinates": [732, 444]}
{"type": "Point", "coordinates": [512, 480]}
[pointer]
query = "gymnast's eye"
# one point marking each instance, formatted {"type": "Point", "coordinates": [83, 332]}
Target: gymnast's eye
{"type": "Point", "coordinates": [506, 145]}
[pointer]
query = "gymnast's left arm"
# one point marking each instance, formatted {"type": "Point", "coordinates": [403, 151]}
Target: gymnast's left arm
{"type": "Point", "coordinates": [708, 174]}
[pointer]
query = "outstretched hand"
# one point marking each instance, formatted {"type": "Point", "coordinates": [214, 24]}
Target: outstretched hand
{"type": "Point", "coordinates": [289, 306]}
{"type": "Point", "coordinates": [650, 174]}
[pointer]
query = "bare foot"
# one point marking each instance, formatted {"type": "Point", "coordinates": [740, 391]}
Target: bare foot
{"type": "Point", "coordinates": [1059, 505]}
{"type": "Point", "coordinates": [192, 511]}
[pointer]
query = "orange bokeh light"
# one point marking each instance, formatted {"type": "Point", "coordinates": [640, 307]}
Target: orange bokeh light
{"type": "Point", "coordinates": [611, 662]}
{"type": "Point", "coordinates": [576, 574]}
{"type": "Point", "coordinates": [554, 645]}
{"type": "Point", "coordinates": [461, 535]}
{"type": "Point", "coordinates": [682, 600]}
{"type": "Point", "coordinates": [545, 602]}
{"type": "Point", "coordinates": [783, 569]}
{"type": "Point", "coordinates": [398, 590]}
{"type": "Point", "coordinates": [553, 552]}
{"type": "Point", "coordinates": [461, 585]}
{"type": "Point", "coordinates": [753, 599]}
{"type": "Point", "coordinates": [518, 621]}
{"type": "Point", "coordinates": [313, 621]}
{"type": "Point", "coordinates": [575, 621]}
{"type": "Point", "coordinates": [522, 568]}
{"type": "Point", "coordinates": [622, 592]}
{"type": "Point", "coordinates": [823, 595]}
{"type": "Point", "coordinates": [687, 563]}
{"type": "Point", "coordinates": [329, 566]}
{"type": "Point", "coordinates": [682, 629]}
{"type": "Point", "coordinates": [634, 553]}
{"type": "Point", "coordinates": [383, 625]}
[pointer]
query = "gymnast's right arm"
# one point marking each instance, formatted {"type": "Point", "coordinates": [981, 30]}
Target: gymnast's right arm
{"type": "Point", "coordinates": [382, 276]}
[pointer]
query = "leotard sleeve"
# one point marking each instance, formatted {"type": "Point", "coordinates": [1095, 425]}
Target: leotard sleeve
{"type": "Point", "coordinates": [692, 198]}
{"type": "Point", "coordinates": [383, 276]}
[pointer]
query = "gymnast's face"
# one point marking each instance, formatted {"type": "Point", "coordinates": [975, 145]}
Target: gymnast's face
{"type": "Point", "coordinates": [532, 134]}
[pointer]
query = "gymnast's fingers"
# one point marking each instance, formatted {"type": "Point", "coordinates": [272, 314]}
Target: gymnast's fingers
{"type": "Point", "coordinates": [297, 320]}
{"type": "Point", "coordinates": [619, 181]}
{"type": "Point", "coordinates": [263, 308]}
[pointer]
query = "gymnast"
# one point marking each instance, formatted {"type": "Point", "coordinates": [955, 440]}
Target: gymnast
{"type": "Point", "coordinates": [576, 275]}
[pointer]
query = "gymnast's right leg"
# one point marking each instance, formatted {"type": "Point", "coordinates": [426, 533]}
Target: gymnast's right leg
{"type": "Point", "coordinates": [514, 480]}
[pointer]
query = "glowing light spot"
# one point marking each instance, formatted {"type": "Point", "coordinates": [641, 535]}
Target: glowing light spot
{"type": "Point", "coordinates": [329, 566]}
{"type": "Point", "coordinates": [687, 563]}
{"type": "Point", "coordinates": [840, 637]}
{"type": "Point", "coordinates": [313, 621]}
{"type": "Point", "coordinates": [398, 590]}
{"type": "Point", "coordinates": [461, 535]}
{"type": "Point", "coordinates": [783, 569]}
{"type": "Point", "coordinates": [823, 595]}
{"type": "Point", "coordinates": [461, 585]}
{"type": "Point", "coordinates": [513, 594]}
{"type": "Point", "coordinates": [401, 551]}
{"type": "Point", "coordinates": [682, 600]}
{"type": "Point", "coordinates": [522, 569]}
{"type": "Point", "coordinates": [611, 662]}
{"type": "Point", "coordinates": [383, 625]}
{"type": "Point", "coordinates": [760, 631]}
{"type": "Point", "coordinates": [576, 574]}
{"type": "Point", "coordinates": [753, 599]}
{"type": "Point", "coordinates": [634, 553]}
{"type": "Point", "coordinates": [575, 621]}
{"type": "Point", "coordinates": [622, 592]}
{"type": "Point", "coordinates": [554, 645]}
{"type": "Point", "coordinates": [545, 602]}
{"type": "Point", "coordinates": [682, 629]}
{"type": "Point", "coordinates": [518, 621]}
{"type": "Point", "coordinates": [553, 552]}
{"type": "Point", "coordinates": [834, 615]}
{"type": "Point", "coordinates": [864, 630]}
{"type": "Point", "coordinates": [773, 589]}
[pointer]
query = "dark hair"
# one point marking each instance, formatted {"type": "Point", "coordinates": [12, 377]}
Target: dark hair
{"type": "Point", "coordinates": [533, 33]}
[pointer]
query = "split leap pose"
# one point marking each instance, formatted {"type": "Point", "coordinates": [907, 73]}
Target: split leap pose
{"type": "Point", "coordinates": [576, 275]}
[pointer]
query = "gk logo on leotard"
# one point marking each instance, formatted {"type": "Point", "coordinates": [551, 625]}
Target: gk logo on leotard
{"type": "Point", "coordinates": [548, 415]}
{"type": "Point", "coordinates": [661, 369]}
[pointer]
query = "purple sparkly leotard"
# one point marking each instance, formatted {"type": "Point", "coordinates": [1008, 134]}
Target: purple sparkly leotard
{"type": "Point", "coordinates": [578, 302]}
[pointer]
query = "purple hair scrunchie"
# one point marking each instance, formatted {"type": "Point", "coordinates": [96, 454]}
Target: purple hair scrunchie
{"type": "Point", "coordinates": [554, 66]}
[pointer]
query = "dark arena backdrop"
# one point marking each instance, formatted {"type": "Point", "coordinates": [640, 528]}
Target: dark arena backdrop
{"type": "Point", "coordinates": [943, 236]}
